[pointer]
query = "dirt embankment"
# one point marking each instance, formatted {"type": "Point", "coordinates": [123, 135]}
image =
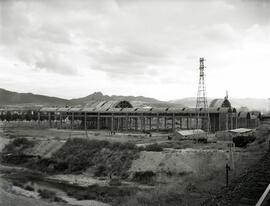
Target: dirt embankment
{"type": "Point", "coordinates": [100, 158]}
{"type": "Point", "coordinates": [183, 161]}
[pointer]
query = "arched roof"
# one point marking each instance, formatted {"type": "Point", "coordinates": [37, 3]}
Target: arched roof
{"type": "Point", "coordinates": [105, 105]}
{"type": "Point", "coordinates": [245, 115]}
{"type": "Point", "coordinates": [216, 103]}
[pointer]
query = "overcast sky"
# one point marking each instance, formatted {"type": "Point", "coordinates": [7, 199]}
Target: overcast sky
{"type": "Point", "coordinates": [71, 48]}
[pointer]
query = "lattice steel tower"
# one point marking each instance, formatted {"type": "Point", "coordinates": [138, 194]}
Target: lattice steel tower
{"type": "Point", "coordinates": [202, 105]}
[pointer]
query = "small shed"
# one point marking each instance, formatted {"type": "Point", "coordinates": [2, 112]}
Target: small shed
{"type": "Point", "coordinates": [189, 134]}
{"type": "Point", "coordinates": [241, 132]}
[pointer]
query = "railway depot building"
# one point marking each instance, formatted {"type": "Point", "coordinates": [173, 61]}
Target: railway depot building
{"type": "Point", "coordinates": [122, 116]}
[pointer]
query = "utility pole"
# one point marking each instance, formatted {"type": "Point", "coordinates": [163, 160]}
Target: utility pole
{"type": "Point", "coordinates": [202, 111]}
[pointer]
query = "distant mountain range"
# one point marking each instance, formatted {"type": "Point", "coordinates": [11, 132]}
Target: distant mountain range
{"type": "Point", "coordinates": [15, 98]}
{"type": "Point", "coordinates": [98, 96]}
{"type": "Point", "coordinates": [137, 101]}
{"type": "Point", "coordinates": [29, 99]}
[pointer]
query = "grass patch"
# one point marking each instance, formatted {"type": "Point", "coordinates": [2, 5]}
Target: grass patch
{"type": "Point", "coordinates": [50, 195]}
{"type": "Point", "coordinates": [13, 152]}
{"type": "Point", "coordinates": [109, 194]}
{"type": "Point", "coordinates": [154, 198]}
{"type": "Point", "coordinates": [103, 157]}
{"type": "Point", "coordinates": [75, 156]}
{"type": "Point", "coordinates": [18, 145]}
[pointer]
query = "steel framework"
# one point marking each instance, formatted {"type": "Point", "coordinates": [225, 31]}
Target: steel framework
{"type": "Point", "coordinates": [202, 103]}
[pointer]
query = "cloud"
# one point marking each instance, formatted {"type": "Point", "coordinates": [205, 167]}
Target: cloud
{"type": "Point", "coordinates": [127, 59]}
{"type": "Point", "coordinates": [134, 43]}
{"type": "Point", "coordinates": [223, 33]}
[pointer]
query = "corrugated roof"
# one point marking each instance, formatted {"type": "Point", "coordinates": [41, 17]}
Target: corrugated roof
{"type": "Point", "coordinates": [63, 109]}
{"type": "Point", "coordinates": [48, 109]}
{"type": "Point", "coordinates": [114, 110]}
{"type": "Point", "coordinates": [128, 110]}
{"type": "Point", "coordinates": [86, 109]}
{"type": "Point", "coordinates": [176, 110]}
{"type": "Point", "coordinates": [240, 130]}
{"type": "Point", "coordinates": [244, 115]}
{"type": "Point", "coordinates": [159, 110]}
{"type": "Point", "coordinates": [190, 132]}
{"type": "Point", "coordinates": [75, 109]}
{"type": "Point", "coordinates": [220, 103]}
{"type": "Point", "coordinates": [142, 110]}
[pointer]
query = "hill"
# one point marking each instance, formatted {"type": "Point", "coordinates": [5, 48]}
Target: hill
{"type": "Point", "coordinates": [28, 99]}
{"type": "Point", "coordinates": [15, 98]}
{"type": "Point", "coordinates": [98, 96]}
{"type": "Point", "coordinates": [137, 101]}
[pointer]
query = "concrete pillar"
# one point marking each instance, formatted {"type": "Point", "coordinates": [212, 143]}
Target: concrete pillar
{"type": "Point", "coordinates": [181, 123]}
{"type": "Point", "coordinates": [173, 122]}
{"type": "Point", "coordinates": [136, 123]}
{"type": "Point", "coordinates": [187, 122]}
{"type": "Point", "coordinates": [130, 123]}
{"type": "Point", "coordinates": [157, 122]}
{"type": "Point", "coordinates": [72, 120]}
{"type": "Point", "coordinates": [60, 120]}
{"type": "Point", "coordinates": [85, 121]}
{"type": "Point", "coordinates": [231, 117]}
{"type": "Point", "coordinates": [227, 123]}
{"type": "Point", "coordinates": [38, 119]}
{"type": "Point", "coordinates": [142, 123]}
{"type": "Point", "coordinates": [50, 121]}
{"type": "Point", "coordinates": [165, 122]}
{"type": "Point", "coordinates": [150, 123]}
{"type": "Point", "coordinates": [112, 123]}
{"type": "Point", "coordinates": [127, 122]}
{"type": "Point", "coordinates": [98, 121]}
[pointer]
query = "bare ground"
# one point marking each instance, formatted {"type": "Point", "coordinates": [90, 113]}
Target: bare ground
{"type": "Point", "coordinates": [202, 165]}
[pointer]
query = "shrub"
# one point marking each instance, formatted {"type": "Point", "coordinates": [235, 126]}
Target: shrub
{"type": "Point", "coordinates": [18, 144]}
{"type": "Point", "coordinates": [46, 194]}
{"type": "Point", "coordinates": [29, 188]}
{"type": "Point", "coordinates": [153, 147]}
{"type": "Point", "coordinates": [110, 194]}
{"type": "Point", "coordinates": [50, 195]}
{"type": "Point", "coordinates": [145, 177]}
{"type": "Point", "coordinates": [242, 141]}
{"type": "Point", "coordinates": [100, 171]}
{"type": "Point", "coordinates": [78, 154]}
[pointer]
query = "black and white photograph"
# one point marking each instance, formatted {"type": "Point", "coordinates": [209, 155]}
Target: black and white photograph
{"type": "Point", "coordinates": [134, 103]}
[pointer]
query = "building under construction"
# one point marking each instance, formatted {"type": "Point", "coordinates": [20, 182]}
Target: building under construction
{"type": "Point", "coordinates": [122, 116]}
